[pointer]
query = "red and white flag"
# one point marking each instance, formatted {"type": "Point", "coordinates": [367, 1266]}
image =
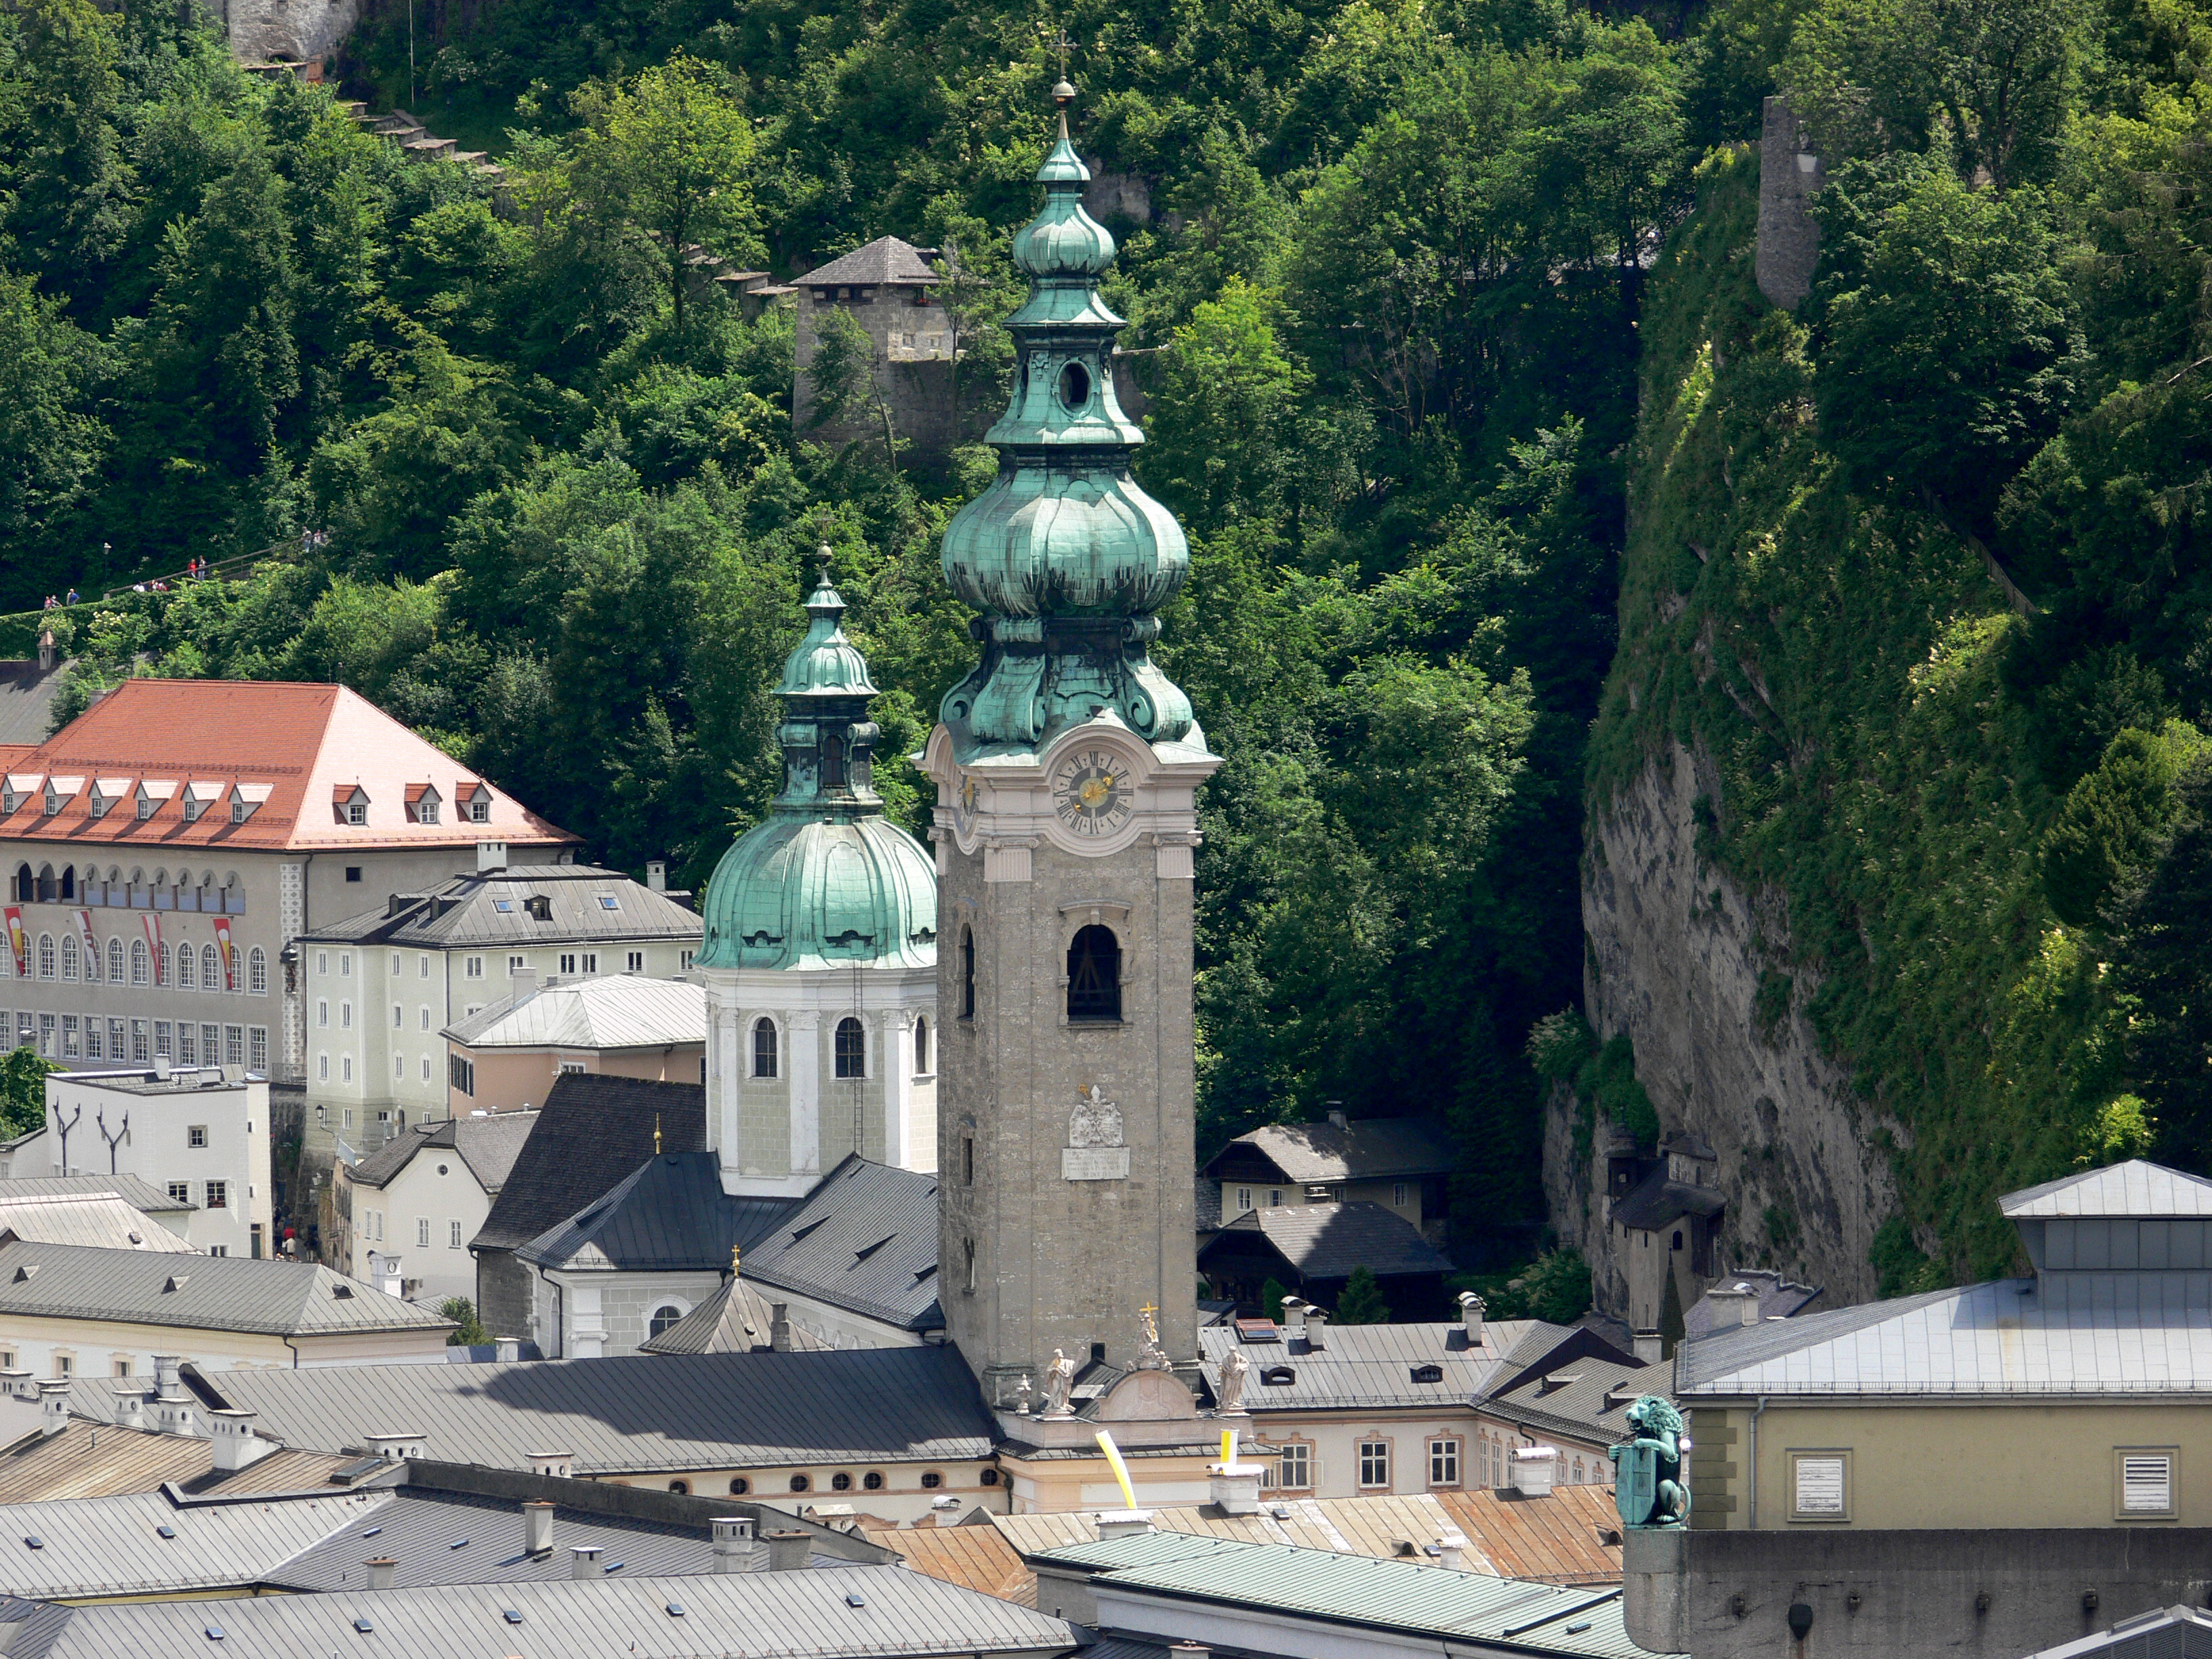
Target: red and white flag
{"type": "Point", "coordinates": [19, 941]}
{"type": "Point", "coordinates": [223, 944]}
{"type": "Point", "coordinates": [91, 944]}
{"type": "Point", "coordinates": [153, 926]}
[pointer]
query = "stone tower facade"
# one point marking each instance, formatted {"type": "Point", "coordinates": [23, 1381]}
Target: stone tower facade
{"type": "Point", "coordinates": [1067, 766]}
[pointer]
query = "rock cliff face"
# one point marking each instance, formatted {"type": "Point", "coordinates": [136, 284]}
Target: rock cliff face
{"type": "Point", "coordinates": [287, 31]}
{"type": "Point", "coordinates": [1688, 965]}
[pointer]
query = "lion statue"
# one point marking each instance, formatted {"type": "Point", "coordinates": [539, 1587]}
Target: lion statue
{"type": "Point", "coordinates": [1648, 1483]}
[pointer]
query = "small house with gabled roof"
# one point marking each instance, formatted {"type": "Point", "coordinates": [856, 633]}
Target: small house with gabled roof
{"type": "Point", "coordinates": [887, 286]}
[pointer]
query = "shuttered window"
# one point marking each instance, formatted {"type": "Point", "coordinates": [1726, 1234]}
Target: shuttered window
{"type": "Point", "coordinates": [2146, 1483]}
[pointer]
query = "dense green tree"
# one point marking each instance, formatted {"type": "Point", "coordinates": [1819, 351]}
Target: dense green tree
{"type": "Point", "coordinates": [1362, 1302]}
{"type": "Point", "coordinates": [24, 1090]}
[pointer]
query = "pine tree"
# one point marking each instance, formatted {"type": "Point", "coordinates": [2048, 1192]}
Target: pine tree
{"type": "Point", "coordinates": [1362, 1302]}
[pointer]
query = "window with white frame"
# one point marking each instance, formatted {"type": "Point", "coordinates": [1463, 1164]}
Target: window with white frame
{"type": "Point", "coordinates": [423, 970]}
{"type": "Point", "coordinates": [568, 962]}
{"type": "Point", "coordinates": [426, 1068]}
{"type": "Point", "coordinates": [395, 965]}
{"type": "Point", "coordinates": [1294, 1470]}
{"type": "Point", "coordinates": [453, 1235]}
{"type": "Point", "coordinates": [472, 968]}
{"type": "Point", "coordinates": [516, 964]}
{"type": "Point", "coordinates": [322, 1011]}
{"type": "Point", "coordinates": [591, 962]}
{"type": "Point", "coordinates": [426, 1016]}
{"type": "Point", "coordinates": [636, 962]}
{"type": "Point", "coordinates": [399, 1017]}
{"type": "Point", "coordinates": [572, 1068]}
{"type": "Point", "coordinates": [1374, 1462]}
{"type": "Point", "coordinates": [345, 964]}
{"type": "Point", "coordinates": [323, 1074]}
{"type": "Point", "coordinates": [345, 1068]}
{"type": "Point", "coordinates": [218, 1195]}
{"type": "Point", "coordinates": [1443, 1462]}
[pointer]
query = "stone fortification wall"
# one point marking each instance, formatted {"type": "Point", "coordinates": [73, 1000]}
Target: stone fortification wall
{"type": "Point", "coordinates": [1789, 173]}
{"type": "Point", "coordinates": [1675, 952]}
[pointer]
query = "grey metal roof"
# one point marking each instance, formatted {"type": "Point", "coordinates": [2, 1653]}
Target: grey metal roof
{"type": "Point", "coordinates": [27, 699]}
{"type": "Point", "coordinates": [98, 1460]}
{"type": "Point", "coordinates": [2132, 1189]}
{"type": "Point", "coordinates": [638, 1413]}
{"type": "Point", "coordinates": [886, 259]}
{"type": "Point", "coordinates": [1655, 1202]}
{"type": "Point", "coordinates": [112, 1546]}
{"type": "Point", "coordinates": [1587, 1398]}
{"type": "Point", "coordinates": [1368, 1366]}
{"type": "Point", "coordinates": [487, 1147]}
{"type": "Point", "coordinates": [669, 1214]}
{"type": "Point", "coordinates": [1369, 1149]}
{"type": "Point", "coordinates": [606, 1010]}
{"type": "Point", "coordinates": [1327, 1241]}
{"type": "Point", "coordinates": [198, 1292]}
{"type": "Point", "coordinates": [104, 1222]}
{"type": "Point", "coordinates": [736, 1319]}
{"type": "Point", "coordinates": [2176, 1633]}
{"type": "Point", "coordinates": [465, 911]}
{"type": "Point", "coordinates": [1406, 1597]}
{"type": "Point", "coordinates": [864, 1239]}
{"type": "Point", "coordinates": [831, 1613]}
{"type": "Point", "coordinates": [140, 1196]}
{"type": "Point", "coordinates": [2077, 1333]}
{"type": "Point", "coordinates": [1779, 1299]}
{"type": "Point", "coordinates": [592, 1133]}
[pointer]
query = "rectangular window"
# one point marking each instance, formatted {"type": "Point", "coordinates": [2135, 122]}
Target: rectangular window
{"type": "Point", "coordinates": [474, 968]}
{"type": "Point", "coordinates": [1443, 1462]}
{"type": "Point", "coordinates": [591, 962]}
{"type": "Point", "coordinates": [1401, 1192]}
{"type": "Point", "coordinates": [1243, 1200]}
{"type": "Point", "coordinates": [607, 901]}
{"type": "Point", "coordinates": [162, 1037]}
{"type": "Point", "coordinates": [218, 1249]}
{"type": "Point", "coordinates": [426, 1068]}
{"type": "Point", "coordinates": [93, 1047]}
{"type": "Point", "coordinates": [1819, 1485]}
{"type": "Point", "coordinates": [196, 1135]}
{"type": "Point", "coordinates": [138, 1050]}
{"type": "Point", "coordinates": [322, 963]}
{"type": "Point", "coordinates": [181, 1191]}
{"type": "Point", "coordinates": [72, 1041]}
{"type": "Point", "coordinates": [345, 1068]}
{"type": "Point", "coordinates": [461, 1073]}
{"type": "Point", "coordinates": [398, 1067]}
{"type": "Point", "coordinates": [637, 960]}
{"type": "Point", "coordinates": [218, 1195]}
{"type": "Point", "coordinates": [348, 1111]}
{"type": "Point", "coordinates": [323, 1075]}
{"type": "Point", "coordinates": [257, 1047]}
{"type": "Point", "coordinates": [1296, 1473]}
{"type": "Point", "coordinates": [64, 1365]}
{"type": "Point", "coordinates": [345, 1016]}
{"type": "Point", "coordinates": [399, 1017]}
{"type": "Point", "coordinates": [423, 971]}
{"type": "Point", "coordinates": [453, 1235]}
{"type": "Point", "coordinates": [210, 1050]}
{"type": "Point", "coordinates": [188, 1049]}
{"type": "Point", "coordinates": [115, 1039]}
{"type": "Point", "coordinates": [421, 1232]}
{"type": "Point", "coordinates": [345, 964]}
{"type": "Point", "coordinates": [515, 964]}
{"type": "Point", "coordinates": [684, 962]}
{"type": "Point", "coordinates": [47, 1027]}
{"type": "Point", "coordinates": [395, 965]}
{"type": "Point", "coordinates": [2147, 1484]}
{"type": "Point", "coordinates": [322, 1013]}
{"type": "Point", "coordinates": [1374, 1462]}
{"type": "Point", "coordinates": [234, 1045]}
{"type": "Point", "coordinates": [568, 962]}
{"type": "Point", "coordinates": [572, 1068]}
{"type": "Point", "coordinates": [426, 1016]}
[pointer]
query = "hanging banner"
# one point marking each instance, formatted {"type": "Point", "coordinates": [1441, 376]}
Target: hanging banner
{"type": "Point", "coordinates": [153, 926]}
{"type": "Point", "coordinates": [91, 945]}
{"type": "Point", "coordinates": [19, 941]}
{"type": "Point", "coordinates": [230, 960]}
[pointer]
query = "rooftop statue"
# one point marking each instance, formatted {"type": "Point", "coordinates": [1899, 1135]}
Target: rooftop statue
{"type": "Point", "coordinates": [1647, 1484]}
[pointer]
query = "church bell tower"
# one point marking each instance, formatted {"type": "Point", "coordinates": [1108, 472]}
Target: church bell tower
{"type": "Point", "coordinates": [1067, 766]}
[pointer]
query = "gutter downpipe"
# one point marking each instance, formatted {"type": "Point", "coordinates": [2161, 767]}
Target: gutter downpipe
{"type": "Point", "coordinates": [1751, 1462]}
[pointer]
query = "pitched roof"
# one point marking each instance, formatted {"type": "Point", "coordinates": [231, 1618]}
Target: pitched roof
{"type": "Point", "coordinates": [638, 1413]}
{"type": "Point", "coordinates": [141, 1196]}
{"type": "Point", "coordinates": [593, 1132]}
{"type": "Point", "coordinates": [2133, 1188]}
{"type": "Point", "coordinates": [26, 703]}
{"type": "Point", "coordinates": [609, 1011]}
{"type": "Point", "coordinates": [2072, 1333]}
{"type": "Point", "coordinates": [669, 1214]}
{"type": "Point", "coordinates": [1369, 1149]}
{"type": "Point", "coordinates": [259, 1295]}
{"type": "Point", "coordinates": [1329, 1241]}
{"type": "Point", "coordinates": [103, 1221]}
{"type": "Point", "coordinates": [301, 740]}
{"type": "Point", "coordinates": [1779, 1299]}
{"type": "Point", "coordinates": [833, 1613]}
{"type": "Point", "coordinates": [1381, 1527]}
{"type": "Point", "coordinates": [736, 1319]}
{"type": "Point", "coordinates": [1369, 1366]}
{"type": "Point", "coordinates": [2177, 1632]}
{"type": "Point", "coordinates": [494, 908]}
{"type": "Point", "coordinates": [982, 1558]}
{"type": "Point", "coordinates": [487, 1147]}
{"type": "Point", "coordinates": [1584, 1398]}
{"type": "Point", "coordinates": [1655, 1202]}
{"type": "Point", "coordinates": [886, 259]}
{"type": "Point", "coordinates": [111, 1546]}
{"type": "Point", "coordinates": [1559, 1539]}
{"type": "Point", "coordinates": [865, 1239]}
{"type": "Point", "coordinates": [92, 1460]}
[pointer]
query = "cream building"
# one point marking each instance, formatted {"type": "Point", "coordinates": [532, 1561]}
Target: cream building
{"type": "Point", "coordinates": [506, 1056]}
{"type": "Point", "coordinates": [409, 1210]}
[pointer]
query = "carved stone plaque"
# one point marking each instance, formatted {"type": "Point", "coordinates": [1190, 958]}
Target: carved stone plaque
{"type": "Point", "coordinates": [1095, 1149]}
{"type": "Point", "coordinates": [1094, 1162]}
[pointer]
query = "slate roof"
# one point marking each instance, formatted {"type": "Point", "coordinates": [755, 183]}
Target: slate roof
{"type": "Point", "coordinates": [106, 1223]}
{"type": "Point", "coordinates": [1585, 1399]}
{"type": "Point", "coordinates": [669, 1213]}
{"type": "Point", "coordinates": [1779, 1299]}
{"type": "Point", "coordinates": [2133, 1188]}
{"type": "Point", "coordinates": [638, 1413]}
{"type": "Point", "coordinates": [140, 1196]}
{"type": "Point", "coordinates": [886, 259]}
{"type": "Point", "coordinates": [1403, 1597]}
{"type": "Point", "coordinates": [463, 912]}
{"type": "Point", "coordinates": [1370, 1366]}
{"type": "Point", "coordinates": [200, 1292]}
{"type": "Point", "coordinates": [1655, 1202]}
{"type": "Point", "coordinates": [865, 1240]}
{"type": "Point", "coordinates": [2074, 1332]}
{"type": "Point", "coordinates": [1327, 1241]}
{"type": "Point", "coordinates": [736, 1319]}
{"type": "Point", "coordinates": [592, 1132]}
{"type": "Point", "coordinates": [487, 1147]}
{"type": "Point", "coordinates": [833, 1613]}
{"type": "Point", "coordinates": [112, 1546]}
{"type": "Point", "coordinates": [90, 1460]}
{"type": "Point", "coordinates": [607, 1011]}
{"type": "Point", "coordinates": [27, 701]}
{"type": "Point", "coordinates": [1368, 1149]}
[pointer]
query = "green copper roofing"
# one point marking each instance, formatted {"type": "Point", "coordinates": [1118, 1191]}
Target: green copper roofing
{"type": "Point", "coordinates": [825, 881]}
{"type": "Point", "coordinates": [1066, 555]}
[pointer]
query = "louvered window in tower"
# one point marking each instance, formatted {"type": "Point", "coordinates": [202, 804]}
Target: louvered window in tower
{"type": "Point", "coordinates": [1094, 974]}
{"type": "Point", "coordinates": [852, 1049]}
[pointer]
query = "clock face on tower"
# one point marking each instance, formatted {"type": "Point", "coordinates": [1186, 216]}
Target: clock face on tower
{"type": "Point", "coordinates": [1092, 793]}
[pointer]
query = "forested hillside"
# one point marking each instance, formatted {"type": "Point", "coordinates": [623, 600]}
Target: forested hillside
{"type": "Point", "coordinates": [1399, 290]}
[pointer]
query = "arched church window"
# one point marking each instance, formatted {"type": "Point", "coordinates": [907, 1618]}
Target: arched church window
{"type": "Point", "coordinates": [967, 973]}
{"type": "Point", "coordinates": [1094, 974]}
{"type": "Point", "coordinates": [764, 1048]}
{"type": "Point", "coordinates": [922, 1047]}
{"type": "Point", "coordinates": [852, 1049]}
{"type": "Point", "coordinates": [664, 1316]}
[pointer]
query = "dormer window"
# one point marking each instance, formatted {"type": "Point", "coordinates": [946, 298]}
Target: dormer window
{"type": "Point", "coordinates": [245, 799]}
{"type": "Point", "coordinates": [15, 788]}
{"type": "Point", "coordinates": [423, 802]}
{"type": "Point", "coordinates": [475, 797]}
{"type": "Point", "coordinates": [99, 801]}
{"type": "Point", "coordinates": [59, 792]}
{"type": "Point", "coordinates": [351, 802]}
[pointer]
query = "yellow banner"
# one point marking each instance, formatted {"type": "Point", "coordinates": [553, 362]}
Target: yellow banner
{"type": "Point", "coordinates": [1121, 1469]}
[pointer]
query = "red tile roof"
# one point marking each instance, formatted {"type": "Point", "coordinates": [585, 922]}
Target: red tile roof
{"type": "Point", "coordinates": [309, 744]}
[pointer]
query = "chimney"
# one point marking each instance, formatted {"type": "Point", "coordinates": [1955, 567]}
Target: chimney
{"type": "Point", "coordinates": [1317, 1329]}
{"type": "Point", "coordinates": [129, 1408]}
{"type": "Point", "coordinates": [16, 1383]}
{"type": "Point", "coordinates": [788, 1550]}
{"type": "Point", "coordinates": [1534, 1470]}
{"type": "Point", "coordinates": [1471, 1312]}
{"type": "Point", "coordinates": [1294, 1318]}
{"type": "Point", "coordinates": [236, 1444]}
{"type": "Point", "coordinates": [552, 1463]}
{"type": "Point", "coordinates": [53, 1405]}
{"type": "Point", "coordinates": [1123, 1523]}
{"type": "Point", "coordinates": [380, 1568]}
{"type": "Point", "coordinates": [945, 1512]}
{"type": "Point", "coordinates": [537, 1527]}
{"type": "Point", "coordinates": [1234, 1488]}
{"type": "Point", "coordinates": [526, 984]}
{"type": "Point", "coordinates": [387, 1275]}
{"type": "Point", "coordinates": [1647, 1347]}
{"type": "Point", "coordinates": [779, 1327]}
{"type": "Point", "coordinates": [584, 1561]}
{"type": "Point", "coordinates": [733, 1543]}
{"type": "Point", "coordinates": [490, 855]}
{"type": "Point", "coordinates": [506, 1349]}
{"type": "Point", "coordinates": [656, 875]}
{"type": "Point", "coordinates": [1449, 1548]}
{"type": "Point", "coordinates": [1190, 1650]}
{"type": "Point", "coordinates": [1336, 1114]}
{"type": "Point", "coordinates": [1733, 1305]}
{"type": "Point", "coordinates": [396, 1447]}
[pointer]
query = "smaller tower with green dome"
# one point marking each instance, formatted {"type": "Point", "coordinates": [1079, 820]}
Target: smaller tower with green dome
{"type": "Point", "coordinates": [820, 950]}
